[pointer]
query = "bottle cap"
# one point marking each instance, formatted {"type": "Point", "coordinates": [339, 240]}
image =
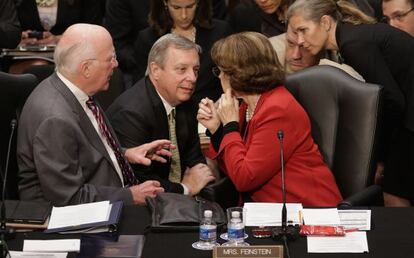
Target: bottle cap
{"type": "Point", "coordinates": [208, 213]}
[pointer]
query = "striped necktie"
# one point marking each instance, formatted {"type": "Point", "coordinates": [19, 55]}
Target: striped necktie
{"type": "Point", "coordinates": [127, 173]}
{"type": "Point", "coordinates": [175, 167]}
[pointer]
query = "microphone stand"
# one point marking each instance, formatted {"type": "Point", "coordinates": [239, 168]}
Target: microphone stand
{"type": "Point", "coordinates": [4, 232]}
{"type": "Point", "coordinates": [285, 232]}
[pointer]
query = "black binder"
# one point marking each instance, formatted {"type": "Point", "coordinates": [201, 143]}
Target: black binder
{"type": "Point", "coordinates": [26, 212]}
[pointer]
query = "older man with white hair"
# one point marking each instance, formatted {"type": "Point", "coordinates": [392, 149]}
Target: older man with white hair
{"type": "Point", "coordinates": [67, 150]}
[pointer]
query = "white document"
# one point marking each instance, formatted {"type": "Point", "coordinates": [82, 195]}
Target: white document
{"type": "Point", "coordinates": [18, 254]}
{"type": "Point", "coordinates": [360, 219]}
{"type": "Point", "coordinates": [323, 217]}
{"type": "Point", "coordinates": [353, 242]}
{"type": "Point", "coordinates": [75, 215]}
{"type": "Point", "coordinates": [270, 214]}
{"type": "Point", "coordinates": [58, 245]}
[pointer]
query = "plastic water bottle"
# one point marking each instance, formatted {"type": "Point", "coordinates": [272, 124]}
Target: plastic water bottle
{"type": "Point", "coordinates": [235, 228]}
{"type": "Point", "coordinates": [208, 228]}
{"type": "Point", "coordinates": [235, 231]}
{"type": "Point", "coordinates": [208, 232]}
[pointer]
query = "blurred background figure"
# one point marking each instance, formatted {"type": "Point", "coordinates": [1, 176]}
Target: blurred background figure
{"type": "Point", "coordinates": [10, 31]}
{"type": "Point", "coordinates": [265, 16]}
{"type": "Point", "coordinates": [399, 14]}
{"type": "Point", "coordinates": [382, 55]}
{"type": "Point", "coordinates": [43, 22]}
{"type": "Point", "coordinates": [124, 19]}
{"type": "Point", "coordinates": [269, 16]}
{"type": "Point", "coordinates": [244, 137]}
{"type": "Point", "coordinates": [294, 57]}
{"type": "Point", "coordinates": [191, 19]}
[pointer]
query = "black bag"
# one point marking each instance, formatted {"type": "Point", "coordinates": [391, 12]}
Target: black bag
{"type": "Point", "coordinates": [178, 212]}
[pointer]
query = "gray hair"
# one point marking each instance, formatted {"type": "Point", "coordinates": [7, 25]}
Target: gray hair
{"type": "Point", "coordinates": [158, 51]}
{"type": "Point", "coordinates": [339, 10]}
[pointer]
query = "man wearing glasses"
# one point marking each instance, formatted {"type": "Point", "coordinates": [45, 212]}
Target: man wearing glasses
{"type": "Point", "coordinates": [399, 14]}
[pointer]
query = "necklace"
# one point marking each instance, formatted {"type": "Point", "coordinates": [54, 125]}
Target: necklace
{"type": "Point", "coordinates": [190, 35]}
{"type": "Point", "coordinates": [250, 110]}
{"type": "Point", "coordinates": [45, 3]}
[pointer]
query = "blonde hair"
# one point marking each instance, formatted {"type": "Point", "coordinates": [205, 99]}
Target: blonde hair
{"type": "Point", "coordinates": [250, 61]}
{"type": "Point", "coordinates": [339, 10]}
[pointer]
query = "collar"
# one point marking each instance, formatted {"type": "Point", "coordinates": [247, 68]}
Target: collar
{"type": "Point", "coordinates": [167, 106]}
{"type": "Point", "coordinates": [80, 95]}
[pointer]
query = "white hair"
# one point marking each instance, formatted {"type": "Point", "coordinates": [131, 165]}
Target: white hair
{"type": "Point", "coordinates": [75, 46]}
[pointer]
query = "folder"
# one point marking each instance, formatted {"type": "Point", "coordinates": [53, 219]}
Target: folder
{"type": "Point", "coordinates": [109, 225]}
{"type": "Point", "coordinates": [25, 212]}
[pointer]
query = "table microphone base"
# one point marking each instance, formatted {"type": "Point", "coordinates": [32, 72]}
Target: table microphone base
{"type": "Point", "coordinates": [291, 233]}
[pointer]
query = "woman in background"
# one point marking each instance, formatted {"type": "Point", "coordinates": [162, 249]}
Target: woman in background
{"type": "Point", "coordinates": [193, 20]}
{"type": "Point", "coordinates": [44, 21]}
{"type": "Point", "coordinates": [382, 55]}
{"type": "Point", "coordinates": [245, 139]}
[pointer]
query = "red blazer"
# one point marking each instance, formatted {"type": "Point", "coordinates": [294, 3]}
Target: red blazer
{"type": "Point", "coordinates": [252, 159]}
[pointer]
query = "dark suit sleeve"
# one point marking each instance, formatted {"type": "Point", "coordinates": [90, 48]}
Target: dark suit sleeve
{"type": "Point", "coordinates": [119, 22]}
{"type": "Point", "coordinates": [142, 46]}
{"type": "Point", "coordinates": [61, 177]}
{"type": "Point", "coordinates": [10, 31]}
{"type": "Point", "coordinates": [92, 12]}
{"type": "Point", "coordinates": [133, 130]}
{"type": "Point", "coordinates": [374, 69]}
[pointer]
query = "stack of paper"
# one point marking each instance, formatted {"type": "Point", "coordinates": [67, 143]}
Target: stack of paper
{"type": "Point", "coordinates": [352, 242]}
{"type": "Point", "coordinates": [84, 216]}
{"type": "Point", "coordinates": [270, 214]}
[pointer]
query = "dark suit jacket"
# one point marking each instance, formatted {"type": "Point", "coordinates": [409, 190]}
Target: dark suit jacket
{"type": "Point", "coordinates": [138, 116]}
{"type": "Point", "coordinates": [69, 12]}
{"type": "Point", "coordinates": [258, 20]}
{"type": "Point", "coordinates": [60, 155]}
{"type": "Point", "coordinates": [10, 31]}
{"type": "Point", "coordinates": [124, 19]}
{"type": "Point", "coordinates": [207, 84]}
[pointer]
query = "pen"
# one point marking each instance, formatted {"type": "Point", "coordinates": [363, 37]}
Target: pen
{"type": "Point", "coordinates": [300, 217]}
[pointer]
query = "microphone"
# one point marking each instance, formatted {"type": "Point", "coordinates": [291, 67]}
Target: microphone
{"type": "Point", "coordinates": [280, 136]}
{"type": "Point", "coordinates": [285, 232]}
{"type": "Point", "coordinates": [4, 232]}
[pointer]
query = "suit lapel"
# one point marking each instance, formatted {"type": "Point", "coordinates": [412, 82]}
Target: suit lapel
{"type": "Point", "coordinates": [159, 109]}
{"type": "Point", "coordinates": [83, 119]}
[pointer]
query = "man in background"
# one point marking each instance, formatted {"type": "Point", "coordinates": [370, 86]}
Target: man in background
{"type": "Point", "coordinates": [399, 14]}
{"type": "Point", "coordinates": [294, 57]}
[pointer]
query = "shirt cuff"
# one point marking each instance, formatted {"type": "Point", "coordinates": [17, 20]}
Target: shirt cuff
{"type": "Point", "coordinates": [186, 191]}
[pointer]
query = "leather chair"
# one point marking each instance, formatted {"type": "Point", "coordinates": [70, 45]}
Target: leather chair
{"type": "Point", "coordinates": [14, 90]}
{"type": "Point", "coordinates": [344, 114]}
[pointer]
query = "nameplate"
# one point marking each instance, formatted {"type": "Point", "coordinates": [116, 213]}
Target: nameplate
{"type": "Point", "coordinates": [257, 251]}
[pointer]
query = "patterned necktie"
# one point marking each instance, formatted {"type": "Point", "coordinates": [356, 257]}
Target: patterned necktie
{"type": "Point", "coordinates": [127, 173]}
{"type": "Point", "coordinates": [175, 168]}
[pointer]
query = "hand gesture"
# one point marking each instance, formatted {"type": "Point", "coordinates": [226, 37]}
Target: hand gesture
{"type": "Point", "coordinates": [145, 153]}
{"type": "Point", "coordinates": [207, 115]}
{"type": "Point", "coordinates": [148, 188]}
{"type": "Point", "coordinates": [228, 109]}
{"type": "Point", "coordinates": [197, 177]}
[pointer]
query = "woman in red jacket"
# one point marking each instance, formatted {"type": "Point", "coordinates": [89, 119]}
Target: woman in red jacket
{"type": "Point", "coordinates": [244, 136]}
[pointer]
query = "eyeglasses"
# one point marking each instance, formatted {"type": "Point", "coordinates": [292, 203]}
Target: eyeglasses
{"type": "Point", "coordinates": [216, 71]}
{"type": "Point", "coordinates": [397, 17]}
{"type": "Point", "coordinates": [113, 59]}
